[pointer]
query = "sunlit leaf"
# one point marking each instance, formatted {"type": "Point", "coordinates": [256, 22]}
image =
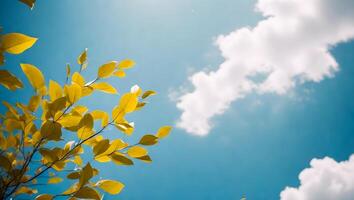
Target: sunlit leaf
{"type": "Point", "coordinates": [126, 64]}
{"type": "Point", "coordinates": [104, 87]}
{"type": "Point", "coordinates": [55, 90]}
{"type": "Point", "coordinates": [55, 180]}
{"type": "Point", "coordinates": [78, 79]}
{"type": "Point", "coordinates": [78, 160]}
{"type": "Point", "coordinates": [73, 92]}
{"type": "Point", "coordinates": [107, 69]}
{"type": "Point", "coordinates": [128, 102]}
{"type": "Point", "coordinates": [99, 114]}
{"type": "Point", "coordinates": [16, 43]}
{"type": "Point", "coordinates": [110, 186]}
{"type": "Point", "coordinates": [82, 58]}
{"type": "Point", "coordinates": [119, 73]}
{"type": "Point", "coordinates": [137, 151]}
{"type": "Point", "coordinates": [163, 131]}
{"type": "Point", "coordinates": [34, 76]}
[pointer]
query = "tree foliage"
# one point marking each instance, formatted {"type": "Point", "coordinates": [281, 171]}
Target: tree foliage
{"type": "Point", "coordinates": [34, 146]}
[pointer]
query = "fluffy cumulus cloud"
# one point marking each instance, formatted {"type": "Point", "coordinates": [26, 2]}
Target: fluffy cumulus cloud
{"type": "Point", "coordinates": [289, 47]}
{"type": "Point", "coordinates": [326, 179]}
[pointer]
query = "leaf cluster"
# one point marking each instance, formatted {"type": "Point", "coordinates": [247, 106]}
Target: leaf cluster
{"type": "Point", "coordinates": [33, 150]}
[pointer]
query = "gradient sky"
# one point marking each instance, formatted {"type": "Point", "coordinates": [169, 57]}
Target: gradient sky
{"type": "Point", "coordinates": [257, 148]}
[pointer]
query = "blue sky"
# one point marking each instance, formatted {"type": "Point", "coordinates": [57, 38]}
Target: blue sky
{"type": "Point", "coordinates": [257, 147]}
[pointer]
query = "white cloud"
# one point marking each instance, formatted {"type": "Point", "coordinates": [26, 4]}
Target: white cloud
{"type": "Point", "coordinates": [326, 179]}
{"type": "Point", "coordinates": [289, 47]}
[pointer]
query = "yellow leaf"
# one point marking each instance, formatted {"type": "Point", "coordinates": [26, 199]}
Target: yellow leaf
{"type": "Point", "coordinates": [73, 92]}
{"type": "Point", "coordinates": [163, 131]}
{"type": "Point", "coordinates": [87, 193]}
{"type": "Point", "coordinates": [119, 73]}
{"type": "Point", "coordinates": [120, 159]}
{"type": "Point", "coordinates": [44, 197]}
{"type": "Point", "coordinates": [103, 156]}
{"type": "Point", "coordinates": [127, 128]}
{"type": "Point", "coordinates": [87, 90]}
{"type": "Point", "coordinates": [73, 175]}
{"type": "Point", "coordinates": [128, 102]}
{"type": "Point", "coordinates": [145, 158]}
{"type": "Point", "coordinates": [82, 58]}
{"type": "Point", "coordinates": [55, 180]}
{"type": "Point", "coordinates": [104, 87]}
{"type": "Point", "coordinates": [148, 140]}
{"type": "Point", "coordinates": [107, 69]}
{"type": "Point", "coordinates": [80, 109]}
{"type": "Point", "coordinates": [86, 125]}
{"type": "Point", "coordinates": [101, 147]}
{"type": "Point", "coordinates": [119, 144]}
{"type": "Point", "coordinates": [9, 81]}
{"type": "Point", "coordinates": [34, 76]}
{"type": "Point", "coordinates": [51, 130]}
{"type": "Point", "coordinates": [78, 160]}
{"type": "Point", "coordinates": [69, 120]}
{"type": "Point", "coordinates": [78, 79]}
{"type": "Point", "coordinates": [137, 151]}
{"type": "Point", "coordinates": [48, 155]}
{"type": "Point", "coordinates": [29, 3]}
{"type": "Point", "coordinates": [56, 106]}
{"type": "Point", "coordinates": [110, 186]}
{"type": "Point", "coordinates": [86, 174]}
{"type": "Point", "coordinates": [55, 90]}
{"type": "Point", "coordinates": [148, 93]}
{"type": "Point", "coordinates": [87, 121]}
{"type": "Point", "coordinates": [125, 64]}
{"type": "Point", "coordinates": [25, 190]}
{"type": "Point", "coordinates": [16, 43]}
{"type": "Point", "coordinates": [34, 103]}
{"type": "Point", "coordinates": [99, 114]}
{"type": "Point", "coordinates": [13, 124]}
